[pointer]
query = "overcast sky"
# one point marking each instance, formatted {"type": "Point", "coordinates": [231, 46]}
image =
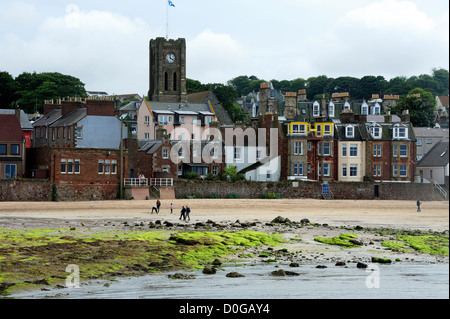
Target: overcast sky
{"type": "Point", "coordinates": [105, 43]}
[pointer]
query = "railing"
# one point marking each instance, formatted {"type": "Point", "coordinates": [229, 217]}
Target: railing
{"type": "Point", "coordinates": [439, 187]}
{"type": "Point", "coordinates": [140, 182]}
{"type": "Point", "coordinates": [161, 182]}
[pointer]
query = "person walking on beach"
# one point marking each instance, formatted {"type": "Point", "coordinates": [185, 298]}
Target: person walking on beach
{"type": "Point", "coordinates": [188, 211]}
{"type": "Point", "coordinates": [154, 208]}
{"type": "Point", "coordinates": [171, 208]}
{"type": "Point", "coordinates": [183, 213]}
{"type": "Point", "coordinates": [418, 206]}
{"type": "Point", "coordinates": [158, 204]}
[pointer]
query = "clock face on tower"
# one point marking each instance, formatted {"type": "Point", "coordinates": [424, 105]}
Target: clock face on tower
{"type": "Point", "coordinates": [170, 58]}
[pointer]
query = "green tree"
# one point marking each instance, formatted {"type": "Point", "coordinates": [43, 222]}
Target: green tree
{"type": "Point", "coordinates": [33, 89]}
{"type": "Point", "coordinates": [8, 89]}
{"type": "Point", "coordinates": [420, 109]}
{"type": "Point", "coordinates": [232, 175]}
{"type": "Point", "coordinates": [194, 86]}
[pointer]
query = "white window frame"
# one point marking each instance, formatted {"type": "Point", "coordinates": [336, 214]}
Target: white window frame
{"type": "Point", "coordinates": [353, 148]}
{"type": "Point", "coordinates": [350, 131]}
{"type": "Point", "coordinates": [353, 170]}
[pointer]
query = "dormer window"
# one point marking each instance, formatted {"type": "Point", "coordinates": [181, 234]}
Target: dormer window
{"type": "Point", "coordinates": [400, 132]}
{"type": "Point", "coordinates": [347, 106]}
{"type": "Point", "coordinates": [349, 131]}
{"type": "Point", "coordinates": [375, 131]}
{"type": "Point", "coordinates": [316, 109]}
{"type": "Point", "coordinates": [376, 109]}
{"type": "Point", "coordinates": [331, 109]}
{"type": "Point", "coordinates": [364, 109]}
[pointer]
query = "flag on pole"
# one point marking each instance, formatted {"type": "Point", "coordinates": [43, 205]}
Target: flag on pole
{"type": "Point", "coordinates": [171, 4]}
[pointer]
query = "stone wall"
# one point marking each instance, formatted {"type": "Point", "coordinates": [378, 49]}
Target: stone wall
{"type": "Point", "coordinates": [340, 190]}
{"type": "Point", "coordinates": [21, 191]}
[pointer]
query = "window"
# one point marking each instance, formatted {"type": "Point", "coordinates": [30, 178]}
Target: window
{"type": "Point", "coordinates": [377, 170]}
{"type": "Point", "coordinates": [419, 142]}
{"type": "Point", "coordinates": [300, 168]}
{"type": "Point", "coordinates": [147, 120]}
{"type": "Point", "coordinates": [63, 166]}
{"type": "Point", "coordinates": [107, 166]}
{"type": "Point", "coordinates": [180, 153]}
{"type": "Point", "coordinates": [395, 170]}
{"type": "Point", "coordinates": [349, 131]}
{"type": "Point", "coordinates": [403, 150]}
{"type": "Point", "coordinates": [375, 131]}
{"type": "Point", "coordinates": [69, 131]}
{"type": "Point", "coordinates": [403, 170]}
{"type": "Point", "coordinates": [331, 109]}
{"type": "Point", "coordinates": [309, 167]}
{"type": "Point", "coordinates": [166, 81]}
{"type": "Point", "coordinates": [344, 150]}
{"type": "Point", "coordinates": [269, 174]}
{"type": "Point", "coordinates": [400, 132]}
{"type": "Point", "coordinates": [164, 119]}
{"type": "Point", "coordinates": [180, 170]}
{"type": "Point", "coordinates": [175, 81]}
{"type": "Point", "coordinates": [295, 168]}
{"type": "Point", "coordinates": [364, 109]}
{"type": "Point", "coordinates": [15, 149]}
{"type": "Point", "coordinates": [376, 109]}
{"type": "Point", "coordinates": [326, 148]}
{"type": "Point", "coordinates": [147, 136]}
{"type": "Point", "coordinates": [353, 170]}
{"type": "Point", "coordinates": [319, 130]}
{"type": "Point", "coordinates": [377, 150]}
{"type": "Point", "coordinates": [53, 134]}
{"type": "Point", "coordinates": [327, 129]}
{"type": "Point", "coordinates": [113, 166]}
{"type": "Point", "coordinates": [316, 109]}
{"type": "Point", "coordinates": [353, 150]}
{"type": "Point", "coordinates": [395, 150]}
{"type": "Point", "coordinates": [431, 174]}
{"type": "Point", "coordinates": [70, 166]}
{"type": "Point", "coordinates": [346, 106]}
{"type": "Point", "coordinates": [215, 170]}
{"type": "Point", "coordinates": [101, 166]}
{"type": "Point", "coordinates": [298, 129]}
{"type": "Point", "coordinates": [79, 133]}
{"type": "Point", "coordinates": [77, 167]}
{"type": "Point", "coordinates": [182, 119]}
{"type": "Point", "coordinates": [298, 148]}
{"type": "Point", "coordinates": [344, 169]}
{"type": "Point", "coordinates": [428, 141]}
{"type": "Point", "coordinates": [237, 154]}
{"type": "Point", "coordinates": [326, 169]}
{"type": "Point", "coordinates": [10, 171]}
{"type": "Point", "coordinates": [309, 146]}
{"type": "Point", "coordinates": [208, 120]}
{"type": "Point", "coordinates": [165, 153]}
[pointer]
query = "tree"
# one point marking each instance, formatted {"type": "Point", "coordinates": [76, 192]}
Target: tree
{"type": "Point", "coordinates": [8, 89]}
{"type": "Point", "coordinates": [193, 86]}
{"type": "Point", "coordinates": [33, 89]}
{"type": "Point", "coordinates": [420, 109]}
{"type": "Point", "coordinates": [317, 85]}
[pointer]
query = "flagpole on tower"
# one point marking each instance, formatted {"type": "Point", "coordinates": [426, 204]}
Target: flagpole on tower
{"type": "Point", "coordinates": [167, 20]}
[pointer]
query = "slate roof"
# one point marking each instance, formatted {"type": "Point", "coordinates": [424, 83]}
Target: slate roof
{"type": "Point", "coordinates": [48, 119]}
{"type": "Point", "coordinates": [437, 156]}
{"type": "Point", "coordinates": [431, 132]}
{"type": "Point", "coordinates": [150, 146]}
{"type": "Point", "coordinates": [10, 129]}
{"type": "Point", "coordinates": [71, 118]}
{"type": "Point", "coordinates": [24, 122]}
{"type": "Point", "coordinates": [359, 132]}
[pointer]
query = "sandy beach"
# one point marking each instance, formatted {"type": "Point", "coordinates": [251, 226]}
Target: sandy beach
{"type": "Point", "coordinates": [389, 214]}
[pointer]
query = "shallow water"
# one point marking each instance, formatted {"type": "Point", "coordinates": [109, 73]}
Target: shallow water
{"type": "Point", "coordinates": [395, 281]}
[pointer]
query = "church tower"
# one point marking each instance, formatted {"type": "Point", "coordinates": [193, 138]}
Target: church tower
{"type": "Point", "coordinates": [167, 70]}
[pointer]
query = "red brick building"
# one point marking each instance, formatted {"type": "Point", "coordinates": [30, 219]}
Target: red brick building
{"type": "Point", "coordinates": [12, 148]}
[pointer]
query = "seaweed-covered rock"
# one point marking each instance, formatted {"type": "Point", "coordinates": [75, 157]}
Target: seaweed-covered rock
{"type": "Point", "coordinates": [278, 273]}
{"type": "Point", "coordinates": [361, 265]}
{"type": "Point", "coordinates": [181, 276]}
{"type": "Point", "coordinates": [321, 267]}
{"type": "Point", "coordinates": [305, 221]}
{"type": "Point", "coordinates": [234, 275]}
{"type": "Point", "coordinates": [216, 262]}
{"type": "Point", "coordinates": [340, 263]}
{"type": "Point", "coordinates": [279, 220]}
{"type": "Point", "coordinates": [381, 260]}
{"type": "Point", "coordinates": [294, 265]}
{"type": "Point", "coordinates": [209, 271]}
